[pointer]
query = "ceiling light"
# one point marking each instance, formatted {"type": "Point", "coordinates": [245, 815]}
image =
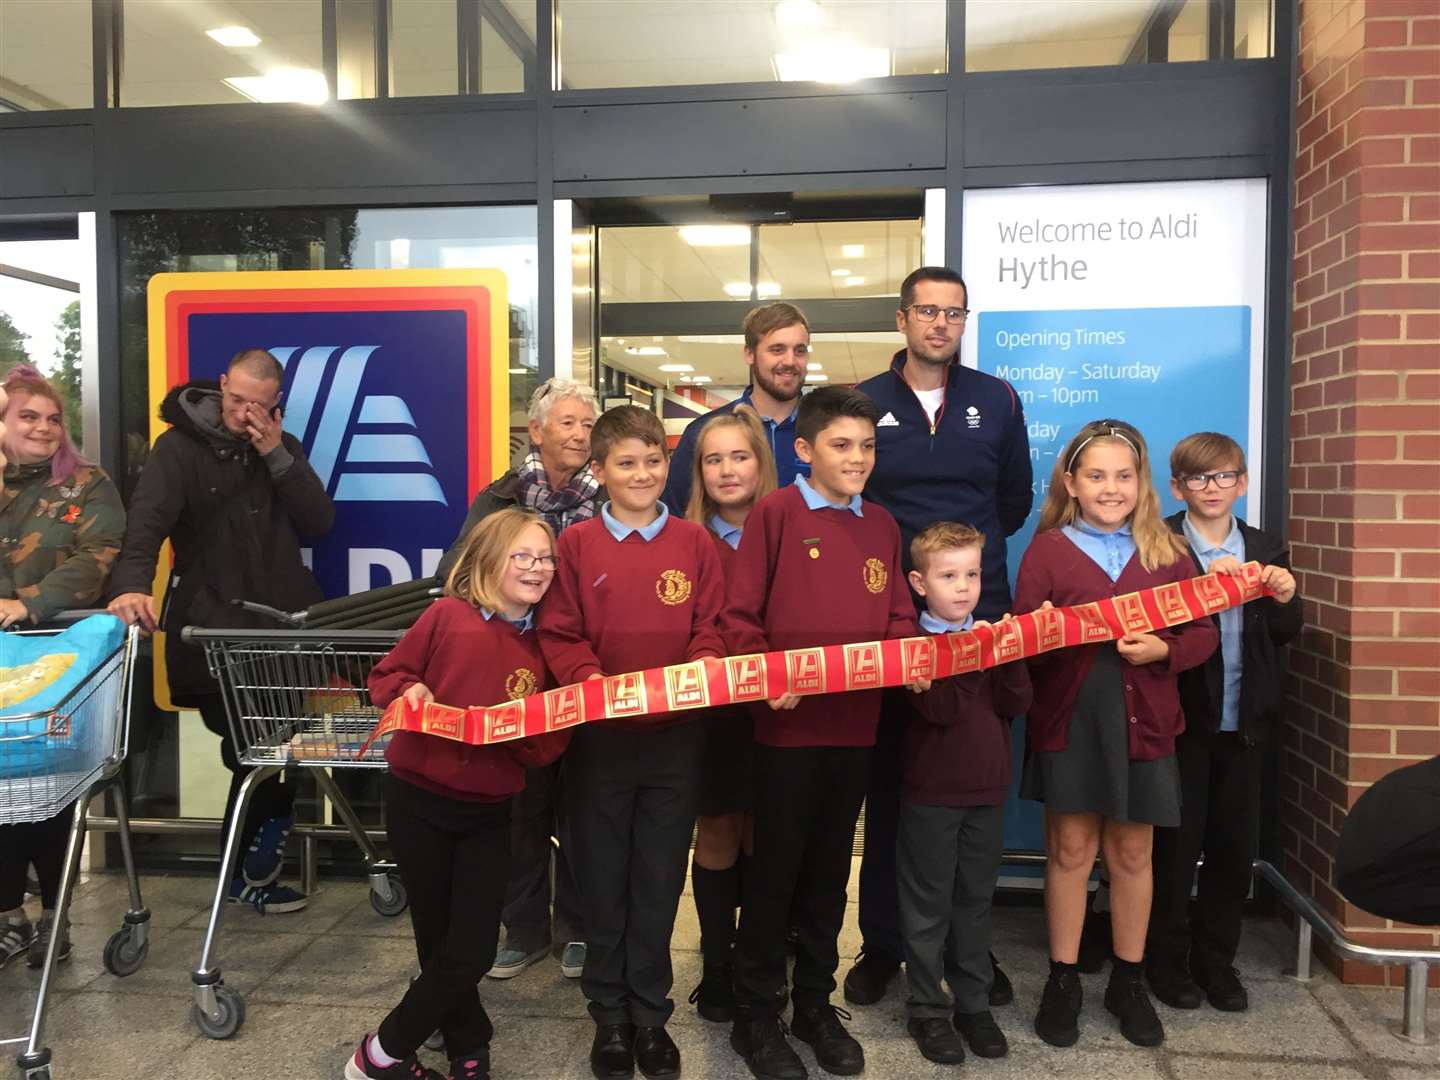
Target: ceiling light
{"type": "Point", "coordinates": [519, 371]}
{"type": "Point", "coordinates": [767, 288]}
{"type": "Point", "coordinates": [840, 272]}
{"type": "Point", "coordinates": [813, 367]}
{"type": "Point", "coordinates": [817, 378]}
{"type": "Point", "coordinates": [852, 281]}
{"type": "Point", "coordinates": [852, 251]}
{"type": "Point", "coordinates": [304, 85]}
{"type": "Point", "coordinates": [740, 289]}
{"type": "Point", "coordinates": [645, 350]}
{"type": "Point", "coordinates": [233, 37]}
{"type": "Point", "coordinates": [697, 379]}
{"type": "Point", "coordinates": [715, 235]}
{"type": "Point", "coordinates": [832, 62]}
{"type": "Point", "coordinates": [675, 367]}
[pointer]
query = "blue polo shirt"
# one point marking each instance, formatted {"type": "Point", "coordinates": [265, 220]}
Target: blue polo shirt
{"type": "Point", "coordinates": [620, 531]}
{"type": "Point", "coordinates": [933, 625]}
{"type": "Point", "coordinates": [815, 501]}
{"type": "Point", "coordinates": [1230, 621]}
{"type": "Point", "coordinates": [725, 531]}
{"type": "Point", "coordinates": [782, 444]}
{"type": "Point", "coordinates": [1109, 550]}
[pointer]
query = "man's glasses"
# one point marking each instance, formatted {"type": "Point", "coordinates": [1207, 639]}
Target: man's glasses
{"type": "Point", "coordinates": [1200, 481]}
{"type": "Point", "coordinates": [523, 560]}
{"type": "Point", "coordinates": [930, 312]}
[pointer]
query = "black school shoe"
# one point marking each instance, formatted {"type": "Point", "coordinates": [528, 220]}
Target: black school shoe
{"type": "Point", "coordinates": [983, 1035]}
{"type": "Point", "coordinates": [1002, 993]}
{"type": "Point", "coordinates": [866, 981]}
{"type": "Point", "coordinates": [1170, 981]}
{"type": "Point", "coordinates": [761, 1041]}
{"type": "Point", "coordinates": [937, 1039]}
{"type": "Point", "coordinates": [1126, 998]}
{"type": "Point", "coordinates": [656, 1053]}
{"type": "Point", "coordinates": [1223, 988]}
{"type": "Point", "coordinates": [612, 1054]}
{"type": "Point", "coordinates": [714, 998]}
{"type": "Point", "coordinates": [1058, 1020]}
{"type": "Point", "coordinates": [836, 1050]}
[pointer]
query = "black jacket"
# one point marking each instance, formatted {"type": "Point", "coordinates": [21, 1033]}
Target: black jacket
{"type": "Point", "coordinates": [502, 494]}
{"type": "Point", "coordinates": [233, 520]}
{"type": "Point", "coordinates": [1266, 625]}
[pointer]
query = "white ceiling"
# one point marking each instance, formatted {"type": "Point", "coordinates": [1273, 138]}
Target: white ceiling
{"type": "Point", "coordinates": [844, 358]}
{"type": "Point", "coordinates": [639, 263]}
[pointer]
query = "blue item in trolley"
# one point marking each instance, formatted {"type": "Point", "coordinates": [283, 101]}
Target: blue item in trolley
{"type": "Point", "coordinates": [38, 673]}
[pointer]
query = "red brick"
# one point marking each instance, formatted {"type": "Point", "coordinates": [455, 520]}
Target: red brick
{"type": "Point", "coordinates": [1425, 91]}
{"type": "Point", "coordinates": [1419, 682]}
{"type": "Point", "coordinates": [1391, 535]}
{"type": "Point", "coordinates": [1422, 448]}
{"type": "Point", "coordinates": [1381, 33]}
{"type": "Point", "coordinates": [1425, 31]}
{"type": "Point", "coordinates": [1396, 417]}
{"type": "Point", "coordinates": [1395, 237]}
{"type": "Point", "coordinates": [1421, 476]}
{"type": "Point", "coordinates": [1424, 149]}
{"type": "Point", "coordinates": [1419, 624]}
{"type": "Point", "coordinates": [1394, 356]}
{"type": "Point", "coordinates": [1423, 208]}
{"type": "Point", "coordinates": [1374, 681]}
{"type": "Point", "coordinates": [1421, 507]}
{"type": "Point", "coordinates": [1418, 742]}
{"type": "Point", "coordinates": [1424, 325]}
{"type": "Point", "coordinates": [1400, 62]}
{"type": "Point", "coordinates": [1422, 385]}
{"type": "Point", "coordinates": [1390, 296]}
{"type": "Point", "coordinates": [1402, 121]}
{"type": "Point", "coordinates": [1397, 712]}
{"type": "Point", "coordinates": [1393, 594]}
{"type": "Point", "coordinates": [1371, 740]}
{"type": "Point", "coordinates": [1424, 264]}
{"type": "Point", "coordinates": [1374, 768]}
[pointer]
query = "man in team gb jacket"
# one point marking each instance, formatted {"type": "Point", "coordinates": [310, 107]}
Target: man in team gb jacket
{"type": "Point", "coordinates": [951, 445]}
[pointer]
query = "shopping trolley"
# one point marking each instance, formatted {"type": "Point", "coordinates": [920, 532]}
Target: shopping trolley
{"type": "Point", "coordinates": [68, 753]}
{"type": "Point", "coordinates": [294, 698]}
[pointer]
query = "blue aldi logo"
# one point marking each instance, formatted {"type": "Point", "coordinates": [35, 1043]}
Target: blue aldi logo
{"type": "Point", "coordinates": [396, 388]}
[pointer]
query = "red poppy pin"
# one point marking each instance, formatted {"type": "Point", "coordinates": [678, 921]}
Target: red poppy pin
{"type": "Point", "coordinates": [72, 515]}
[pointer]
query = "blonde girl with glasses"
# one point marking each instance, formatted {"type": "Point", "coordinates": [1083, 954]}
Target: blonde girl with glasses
{"type": "Point", "coordinates": [447, 804]}
{"type": "Point", "coordinates": [1100, 736]}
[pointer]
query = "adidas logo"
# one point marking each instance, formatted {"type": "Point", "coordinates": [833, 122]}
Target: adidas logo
{"type": "Point", "coordinates": [888, 420]}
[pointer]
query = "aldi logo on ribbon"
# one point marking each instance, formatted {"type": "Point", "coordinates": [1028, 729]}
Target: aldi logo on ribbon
{"type": "Point", "coordinates": [396, 383]}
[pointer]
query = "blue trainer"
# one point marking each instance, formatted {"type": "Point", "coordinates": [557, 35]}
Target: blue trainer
{"type": "Point", "coordinates": [272, 899]}
{"type": "Point", "coordinates": [267, 851]}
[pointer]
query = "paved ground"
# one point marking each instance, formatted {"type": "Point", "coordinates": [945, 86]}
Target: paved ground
{"type": "Point", "coordinates": [314, 982]}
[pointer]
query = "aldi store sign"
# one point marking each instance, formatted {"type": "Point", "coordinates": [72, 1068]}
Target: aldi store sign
{"type": "Point", "coordinates": [396, 383]}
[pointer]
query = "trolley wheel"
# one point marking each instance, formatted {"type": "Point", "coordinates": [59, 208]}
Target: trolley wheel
{"type": "Point", "coordinates": [399, 899]}
{"type": "Point", "coordinates": [42, 1073]}
{"type": "Point", "coordinates": [232, 1014]}
{"type": "Point", "coordinates": [122, 956]}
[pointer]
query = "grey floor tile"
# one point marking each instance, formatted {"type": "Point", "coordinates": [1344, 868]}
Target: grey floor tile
{"type": "Point", "coordinates": [311, 1042]}
{"type": "Point", "coordinates": [244, 963]}
{"type": "Point", "coordinates": [538, 991]}
{"type": "Point", "coordinates": [336, 969]}
{"type": "Point", "coordinates": [1283, 1019]}
{"type": "Point", "coordinates": [113, 1037]}
{"type": "Point", "coordinates": [1186, 1067]}
{"type": "Point", "coordinates": [172, 899]}
{"type": "Point", "coordinates": [542, 1048]}
{"type": "Point", "coordinates": [332, 903]}
{"type": "Point", "coordinates": [1370, 1013]}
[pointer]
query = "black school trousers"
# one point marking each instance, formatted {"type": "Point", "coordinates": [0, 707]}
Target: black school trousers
{"type": "Point", "coordinates": [41, 843]}
{"type": "Point", "coordinates": [807, 799]}
{"type": "Point", "coordinates": [1219, 818]}
{"type": "Point", "coordinates": [454, 858]}
{"type": "Point", "coordinates": [630, 800]}
{"type": "Point", "coordinates": [271, 798]}
{"type": "Point", "coordinates": [536, 817]}
{"type": "Point", "coordinates": [879, 897]}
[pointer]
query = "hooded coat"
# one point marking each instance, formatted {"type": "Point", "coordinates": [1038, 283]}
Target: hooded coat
{"type": "Point", "coordinates": [234, 519]}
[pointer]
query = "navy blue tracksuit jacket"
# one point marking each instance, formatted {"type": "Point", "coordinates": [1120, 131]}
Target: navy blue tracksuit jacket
{"type": "Point", "coordinates": [971, 466]}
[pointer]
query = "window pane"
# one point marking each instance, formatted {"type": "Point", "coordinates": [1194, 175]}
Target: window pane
{"type": "Point", "coordinates": [45, 57]}
{"type": "Point", "coordinates": [424, 56]}
{"type": "Point", "coordinates": [178, 52]}
{"type": "Point", "coordinates": [668, 262]}
{"type": "Point", "coordinates": [40, 323]}
{"type": "Point", "coordinates": [1001, 35]}
{"type": "Point", "coordinates": [839, 259]}
{"type": "Point", "coordinates": [501, 70]}
{"type": "Point", "coordinates": [612, 43]}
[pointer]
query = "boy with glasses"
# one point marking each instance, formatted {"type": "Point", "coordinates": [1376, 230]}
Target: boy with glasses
{"type": "Point", "coordinates": [1230, 704]}
{"type": "Point", "coordinates": [951, 445]}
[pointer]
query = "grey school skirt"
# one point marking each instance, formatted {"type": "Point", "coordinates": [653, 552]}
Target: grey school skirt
{"type": "Point", "coordinates": [1094, 773]}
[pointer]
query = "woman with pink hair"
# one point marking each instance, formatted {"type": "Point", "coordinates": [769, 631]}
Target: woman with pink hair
{"type": "Point", "coordinates": [61, 521]}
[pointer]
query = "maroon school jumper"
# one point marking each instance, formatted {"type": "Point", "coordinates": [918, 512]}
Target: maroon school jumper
{"type": "Point", "coordinates": [782, 596]}
{"type": "Point", "coordinates": [465, 660]}
{"type": "Point", "coordinates": [956, 750]}
{"type": "Point", "coordinates": [1055, 569]}
{"type": "Point", "coordinates": [626, 605]}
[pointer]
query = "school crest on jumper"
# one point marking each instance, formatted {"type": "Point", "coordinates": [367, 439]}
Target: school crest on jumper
{"type": "Point", "coordinates": [875, 575]}
{"type": "Point", "coordinates": [672, 587]}
{"type": "Point", "coordinates": [520, 683]}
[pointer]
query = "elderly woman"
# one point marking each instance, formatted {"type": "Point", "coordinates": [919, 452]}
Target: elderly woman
{"type": "Point", "coordinates": [61, 521]}
{"type": "Point", "coordinates": [552, 481]}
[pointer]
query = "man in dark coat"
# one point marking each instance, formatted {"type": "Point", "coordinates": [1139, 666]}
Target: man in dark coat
{"type": "Point", "coordinates": [233, 493]}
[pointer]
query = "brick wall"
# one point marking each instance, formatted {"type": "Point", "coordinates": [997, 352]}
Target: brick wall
{"type": "Point", "coordinates": [1364, 689]}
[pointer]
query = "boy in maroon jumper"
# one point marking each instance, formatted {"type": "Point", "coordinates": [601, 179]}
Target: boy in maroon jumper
{"type": "Point", "coordinates": [817, 565]}
{"type": "Point", "coordinates": [636, 588]}
{"type": "Point", "coordinates": [954, 776]}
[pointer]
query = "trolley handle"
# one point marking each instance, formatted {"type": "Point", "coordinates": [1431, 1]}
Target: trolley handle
{"type": "Point", "coordinates": [289, 618]}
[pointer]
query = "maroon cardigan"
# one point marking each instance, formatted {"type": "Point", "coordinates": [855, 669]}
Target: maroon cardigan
{"type": "Point", "coordinates": [1055, 569]}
